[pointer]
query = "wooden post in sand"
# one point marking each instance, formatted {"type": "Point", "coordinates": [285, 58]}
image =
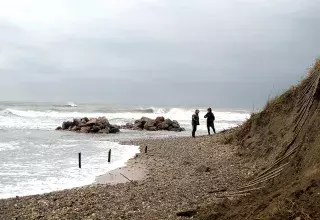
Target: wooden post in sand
{"type": "Point", "coordinates": [80, 160]}
{"type": "Point", "coordinates": [109, 156]}
{"type": "Point", "coordinates": [146, 149]}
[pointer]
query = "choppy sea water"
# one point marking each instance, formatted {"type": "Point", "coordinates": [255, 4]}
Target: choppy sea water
{"type": "Point", "coordinates": [34, 158]}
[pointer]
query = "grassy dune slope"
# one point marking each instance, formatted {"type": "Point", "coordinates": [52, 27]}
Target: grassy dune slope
{"type": "Point", "coordinates": [286, 137]}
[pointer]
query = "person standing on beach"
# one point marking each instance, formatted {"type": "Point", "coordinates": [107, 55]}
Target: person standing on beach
{"type": "Point", "coordinates": [210, 120]}
{"type": "Point", "coordinates": [195, 122]}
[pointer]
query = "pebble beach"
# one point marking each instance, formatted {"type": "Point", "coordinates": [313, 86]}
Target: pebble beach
{"type": "Point", "coordinates": [175, 175]}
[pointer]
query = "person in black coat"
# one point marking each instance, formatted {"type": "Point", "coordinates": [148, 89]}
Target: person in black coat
{"type": "Point", "coordinates": [210, 120]}
{"type": "Point", "coordinates": [195, 122]}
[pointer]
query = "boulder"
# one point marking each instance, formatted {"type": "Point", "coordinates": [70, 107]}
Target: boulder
{"type": "Point", "coordinates": [163, 126]}
{"type": "Point", "coordinates": [152, 129]}
{"type": "Point", "coordinates": [145, 119]}
{"type": "Point", "coordinates": [101, 126]}
{"type": "Point", "coordinates": [114, 129]}
{"type": "Point", "coordinates": [75, 128]}
{"type": "Point", "coordinates": [92, 122]}
{"type": "Point", "coordinates": [84, 120]}
{"type": "Point", "coordinates": [139, 124]}
{"type": "Point", "coordinates": [82, 124]}
{"type": "Point", "coordinates": [160, 123]}
{"type": "Point", "coordinates": [104, 131]}
{"type": "Point", "coordinates": [149, 124]}
{"type": "Point", "coordinates": [104, 121]}
{"type": "Point", "coordinates": [58, 128]}
{"type": "Point", "coordinates": [175, 124]}
{"type": "Point", "coordinates": [92, 125]}
{"type": "Point", "coordinates": [66, 125]}
{"type": "Point", "coordinates": [159, 120]}
{"type": "Point", "coordinates": [176, 129]}
{"type": "Point", "coordinates": [168, 122]}
{"type": "Point", "coordinates": [137, 128]}
{"type": "Point", "coordinates": [76, 121]}
{"type": "Point", "coordinates": [95, 129]}
{"type": "Point", "coordinates": [84, 130]}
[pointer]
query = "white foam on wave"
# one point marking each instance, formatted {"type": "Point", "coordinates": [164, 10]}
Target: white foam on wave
{"type": "Point", "coordinates": [72, 104]}
{"type": "Point", "coordinates": [64, 173]}
{"type": "Point", "coordinates": [6, 146]}
{"type": "Point", "coordinates": [49, 120]}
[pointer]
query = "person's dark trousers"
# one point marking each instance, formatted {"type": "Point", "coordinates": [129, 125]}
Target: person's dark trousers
{"type": "Point", "coordinates": [194, 129]}
{"type": "Point", "coordinates": [211, 125]}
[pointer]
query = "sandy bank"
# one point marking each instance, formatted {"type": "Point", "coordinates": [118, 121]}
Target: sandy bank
{"type": "Point", "coordinates": [134, 170]}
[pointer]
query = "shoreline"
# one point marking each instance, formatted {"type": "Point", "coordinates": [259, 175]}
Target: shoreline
{"type": "Point", "coordinates": [177, 174]}
{"type": "Point", "coordinates": [133, 170]}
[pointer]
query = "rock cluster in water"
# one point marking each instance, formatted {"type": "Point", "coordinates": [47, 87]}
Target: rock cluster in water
{"type": "Point", "coordinates": [102, 125]}
{"type": "Point", "coordinates": [92, 125]}
{"type": "Point", "coordinates": [160, 123]}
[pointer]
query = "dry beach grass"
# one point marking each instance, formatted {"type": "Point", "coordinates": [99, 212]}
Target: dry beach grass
{"type": "Point", "coordinates": [182, 174]}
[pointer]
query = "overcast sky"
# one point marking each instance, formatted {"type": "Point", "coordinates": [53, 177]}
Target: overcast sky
{"type": "Point", "coordinates": [155, 52]}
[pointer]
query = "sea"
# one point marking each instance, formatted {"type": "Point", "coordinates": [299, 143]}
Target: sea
{"type": "Point", "coordinates": [36, 159]}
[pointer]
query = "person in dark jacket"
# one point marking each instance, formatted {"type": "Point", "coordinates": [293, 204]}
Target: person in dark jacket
{"type": "Point", "coordinates": [210, 120]}
{"type": "Point", "coordinates": [195, 122]}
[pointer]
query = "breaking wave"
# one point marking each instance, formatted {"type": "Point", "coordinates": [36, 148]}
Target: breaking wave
{"type": "Point", "coordinates": [15, 118]}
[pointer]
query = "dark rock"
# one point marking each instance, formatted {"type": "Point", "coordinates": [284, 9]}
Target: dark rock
{"type": "Point", "coordinates": [104, 131]}
{"type": "Point", "coordinates": [139, 124]}
{"type": "Point", "coordinates": [82, 124]}
{"type": "Point", "coordinates": [168, 122]}
{"type": "Point", "coordinates": [92, 122]}
{"type": "Point", "coordinates": [160, 123]}
{"type": "Point", "coordinates": [115, 126]}
{"type": "Point", "coordinates": [102, 125]}
{"type": "Point", "coordinates": [163, 126]}
{"type": "Point", "coordinates": [76, 121]}
{"type": "Point", "coordinates": [159, 120]}
{"type": "Point", "coordinates": [95, 129]}
{"type": "Point", "coordinates": [176, 129]}
{"type": "Point", "coordinates": [114, 130]}
{"type": "Point", "coordinates": [84, 120]}
{"type": "Point", "coordinates": [75, 128]}
{"type": "Point", "coordinates": [58, 128]}
{"type": "Point", "coordinates": [152, 129]}
{"type": "Point", "coordinates": [66, 125]}
{"type": "Point", "coordinates": [149, 124]}
{"type": "Point", "coordinates": [84, 130]}
{"type": "Point", "coordinates": [175, 124]}
{"type": "Point", "coordinates": [145, 119]}
{"type": "Point", "coordinates": [103, 122]}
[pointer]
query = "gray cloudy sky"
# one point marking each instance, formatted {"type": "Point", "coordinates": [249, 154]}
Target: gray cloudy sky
{"type": "Point", "coordinates": [155, 52]}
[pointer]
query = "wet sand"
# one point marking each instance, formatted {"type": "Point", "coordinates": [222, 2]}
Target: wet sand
{"type": "Point", "coordinates": [133, 171]}
{"type": "Point", "coordinates": [177, 174]}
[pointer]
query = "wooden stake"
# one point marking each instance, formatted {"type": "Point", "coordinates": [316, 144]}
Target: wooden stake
{"type": "Point", "coordinates": [79, 160]}
{"type": "Point", "coordinates": [109, 156]}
